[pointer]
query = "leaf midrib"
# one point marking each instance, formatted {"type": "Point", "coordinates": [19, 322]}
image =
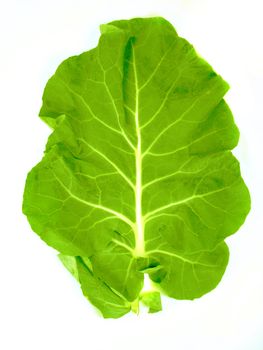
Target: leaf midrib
{"type": "Point", "coordinates": [139, 249]}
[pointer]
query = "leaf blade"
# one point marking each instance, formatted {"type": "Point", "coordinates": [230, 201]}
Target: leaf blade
{"type": "Point", "coordinates": [138, 175]}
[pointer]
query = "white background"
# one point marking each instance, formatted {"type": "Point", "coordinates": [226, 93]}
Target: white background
{"type": "Point", "coordinates": [41, 306]}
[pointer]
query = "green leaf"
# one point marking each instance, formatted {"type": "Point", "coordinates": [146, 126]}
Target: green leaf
{"type": "Point", "coordinates": [138, 175]}
{"type": "Point", "coordinates": [110, 304]}
{"type": "Point", "coordinates": [70, 264]}
{"type": "Point", "coordinates": [152, 300]}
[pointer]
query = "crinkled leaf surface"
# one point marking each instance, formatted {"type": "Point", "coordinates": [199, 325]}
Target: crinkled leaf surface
{"type": "Point", "coordinates": [137, 175]}
{"type": "Point", "coordinates": [100, 294]}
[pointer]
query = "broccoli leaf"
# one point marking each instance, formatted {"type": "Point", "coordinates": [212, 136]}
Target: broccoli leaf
{"type": "Point", "coordinates": [152, 300]}
{"type": "Point", "coordinates": [138, 175]}
{"type": "Point", "coordinates": [98, 292]}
